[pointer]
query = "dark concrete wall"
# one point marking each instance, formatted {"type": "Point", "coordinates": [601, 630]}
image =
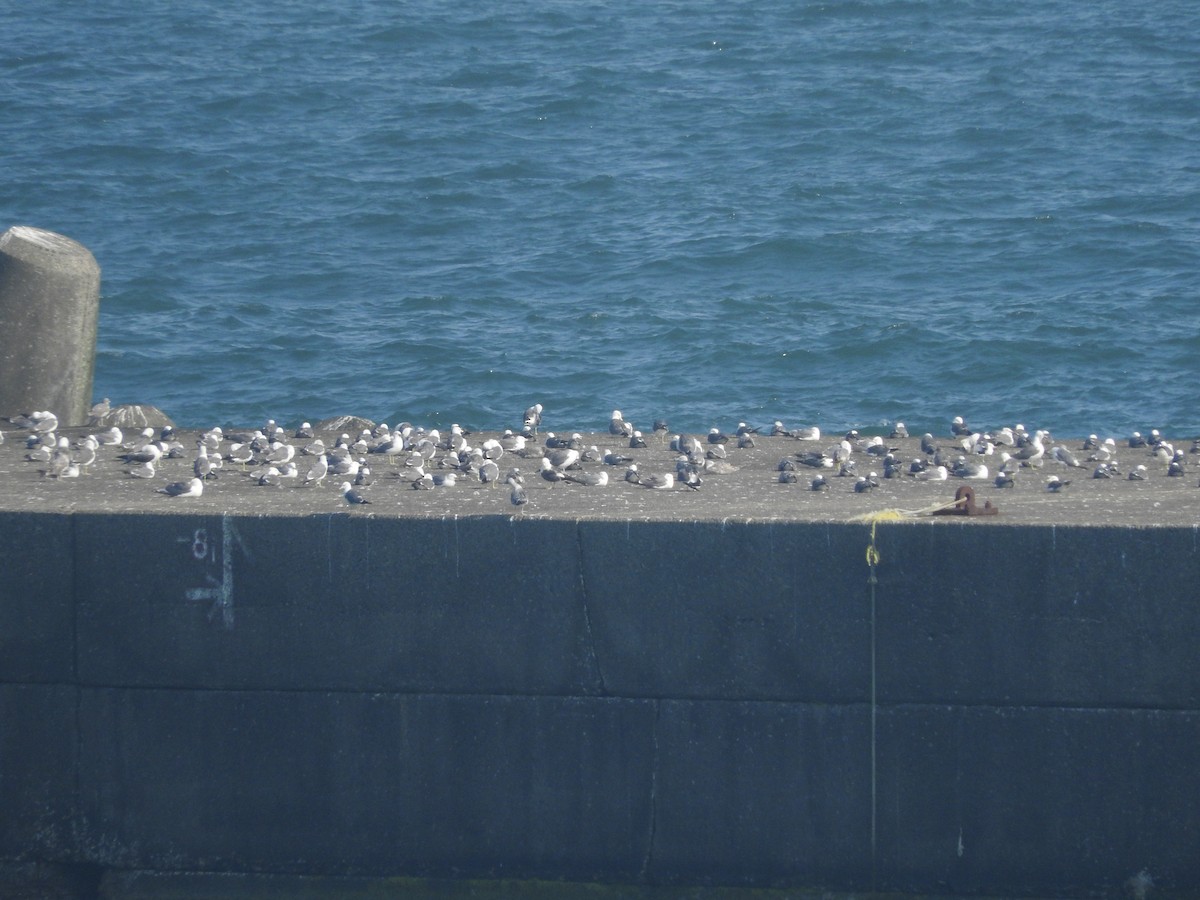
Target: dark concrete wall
{"type": "Point", "coordinates": [1015, 710]}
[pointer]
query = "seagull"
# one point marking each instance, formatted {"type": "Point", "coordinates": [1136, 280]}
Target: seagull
{"type": "Point", "coordinates": [592, 479]}
{"type": "Point", "coordinates": [632, 475]}
{"type": "Point", "coordinates": [100, 410]}
{"type": "Point", "coordinates": [787, 476]}
{"type": "Point", "coordinates": [318, 471]}
{"type": "Point", "coordinates": [1176, 467]}
{"type": "Point", "coordinates": [1054, 484]}
{"type": "Point", "coordinates": [563, 458]}
{"type": "Point", "coordinates": [205, 466]}
{"type": "Point", "coordinates": [192, 488]}
{"type": "Point", "coordinates": [512, 443]}
{"type": "Point", "coordinates": [1031, 454]}
{"type": "Point", "coordinates": [518, 497]}
{"type": "Point", "coordinates": [964, 468]}
{"type": "Point", "coordinates": [142, 470]}
{"type": "Point", "coordinates": [658, 482]}
{"type": "Point", "coordinates": [717, 436]}
{"type": "Point", "coordinates": [146, 453]}
{"type": "Point", "coordinates": [612, 458]}
{"type": "Point", "coordinates": [819, 484]}
{"type": "Point", "coordinates": [1137, 474]}
{"type": "Point", "coordinates": [898, 432]}
{"type": "Point", "coordinates": [85, 452]}
{"type": "Point", "coordinates": [636, 441]}
{"type": "Point", "coordinates": [550, 472]}
{"type": "Point", "coordinates": [811, 433]}
{"type": "Point", "coordinates": [1066, 457]}
{"type": "Point", "coordinates": [815, 459]}
{"type": "Point", "coordinates": [958, 427]}
{"type": "Point", "coordinates": [110, 437]}
{"type": "Point", "coordinates": [892, 467]}
{"type": "Point", "coordinates": [59, 459]}
{"type": "Point", "coordinates": [44, 422]}
{"type": "Point", "coordinates": [352, 496]}
{"type": "Point", "coordinates": [533, 417]}
{"type": "Point", "coordinates": [779, 430]}
{"type": "Point", "coordinates": [270, 478]}
{"type": "Point", "coordinates": [866, 483]}
{"type": "Point", "coordinates": [489, 473]}
{"type": "Point", "coordinates": [280, 454]}
{"type": "Point", "coordinates": [618, 426]}
{"type": "Point", "coordinates": [1005, 479]}
{"type": "Point", "coordinates": [241, 454]}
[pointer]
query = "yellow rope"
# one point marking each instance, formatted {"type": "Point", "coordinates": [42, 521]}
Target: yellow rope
{"type": "Point", "coordinates": [897, 515]}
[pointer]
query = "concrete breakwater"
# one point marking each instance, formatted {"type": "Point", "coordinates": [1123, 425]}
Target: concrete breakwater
{"type": "Point", "coordinates": [662, 696]}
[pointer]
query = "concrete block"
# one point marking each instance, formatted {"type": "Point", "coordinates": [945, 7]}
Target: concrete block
{"type": "Point", "coordinates": [38, 740]}
{"type": "Point", "coordinates": [341, 783]}
{"type": "Point", "coordinates": [1038, 615]}
{"type": "Point", "coordinates": [1040, 802]}
{"type": "Point", "coordinates": [49, 298]}
{"type": "Point", "coordinates": [763, 611]}
{"type": "Point", "coordinates": [762, 793]}
{"type": "Point", "coordinates": [482, 605]}
{"type": "Point", "coordinates": [37, 642]}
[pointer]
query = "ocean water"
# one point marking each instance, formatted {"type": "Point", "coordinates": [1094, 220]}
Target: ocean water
{"type": "Point", "coordinates": [842, 213]}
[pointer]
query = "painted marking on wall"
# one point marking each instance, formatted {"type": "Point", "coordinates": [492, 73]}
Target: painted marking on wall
{"type": "Point", "coordinates": [219, 591]}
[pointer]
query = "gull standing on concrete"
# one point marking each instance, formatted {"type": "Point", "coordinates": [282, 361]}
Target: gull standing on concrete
{"type": "Point", "coordinates": [533, 417]}
{"type": "Point", "coordinates": [489, 472]}
{"type": "Point", "coordinates": [318, 471]}
{"type": "Point", "coordinates": [517, 497]}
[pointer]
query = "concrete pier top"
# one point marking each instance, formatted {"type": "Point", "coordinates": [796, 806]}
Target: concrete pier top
{"type": "Point", "coordinates": [750, 491]}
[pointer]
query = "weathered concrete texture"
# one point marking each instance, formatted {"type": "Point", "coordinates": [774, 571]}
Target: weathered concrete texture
{"type": "Point", "coordinates": [351, 783]}
{"type": "Point", "coordinates": [705, 609]}
{"type": "Point", "coordinates": [1024, 796]}
{"type": "Point", "coordinates": [333, 603]}
{"type": "Point", "coordinates": [38, 766]}
{"type": "Point", "coordinates": [37, 613]}
{"type": "Point", "coordinates": [49, 302]}
{"type": "Point", "coordinates": [750, 492]}
{"type": "Point", "coordinates": [1005, 710]}
{"type": "Point", "coordinates": [1070, 616]}
{"type": "Point", "coordinates": [762, 794]}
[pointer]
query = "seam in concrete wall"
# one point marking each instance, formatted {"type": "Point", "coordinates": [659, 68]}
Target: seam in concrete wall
{"type": "Point", "coordinates": [652, 818]}
{"type": "Point", "coordinates": [593, 657]}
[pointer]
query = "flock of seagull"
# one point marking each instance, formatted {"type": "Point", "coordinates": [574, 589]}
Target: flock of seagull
{"type": "Point", "coordinates": [427, 459]}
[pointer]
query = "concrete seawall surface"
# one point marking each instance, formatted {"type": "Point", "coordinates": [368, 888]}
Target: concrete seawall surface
{"type": "Point", "coordinates": [639, 693]}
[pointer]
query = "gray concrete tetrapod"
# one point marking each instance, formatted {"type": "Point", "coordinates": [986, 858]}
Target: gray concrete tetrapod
{"type": "Point", "coordinates": [49, 303]}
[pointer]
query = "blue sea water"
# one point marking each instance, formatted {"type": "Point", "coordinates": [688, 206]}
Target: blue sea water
{"type": "Point", "coordinates": [841, 213]}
